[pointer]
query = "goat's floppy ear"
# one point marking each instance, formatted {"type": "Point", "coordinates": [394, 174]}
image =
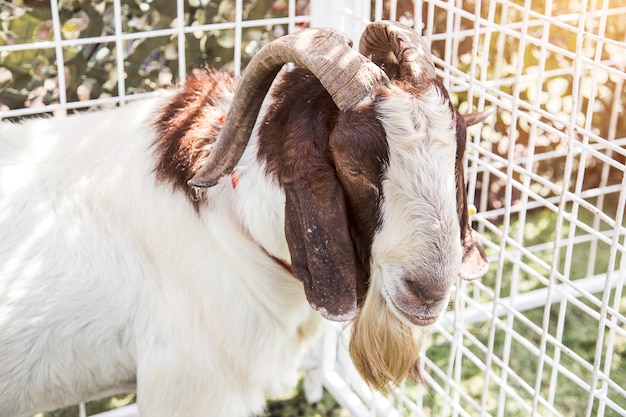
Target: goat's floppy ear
{"type": "Point", "coordinates": [474, 263]}
{"type": "Point", "coordinates": [322, 252]}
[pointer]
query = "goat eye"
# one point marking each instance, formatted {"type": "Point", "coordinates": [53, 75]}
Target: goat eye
{"type": "Point", "coordinates": [354, 171]}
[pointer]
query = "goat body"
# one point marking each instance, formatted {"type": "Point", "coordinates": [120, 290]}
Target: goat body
{"type": "Point", "coordinates": [107, 277]}
{"type": "Point", "coordinates": [345, 199]}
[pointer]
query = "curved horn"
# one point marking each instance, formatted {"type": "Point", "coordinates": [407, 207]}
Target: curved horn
{"type": "Point", "coordinates": [392, 42]}
{"type": "Point", "coordinates": [348, 77]}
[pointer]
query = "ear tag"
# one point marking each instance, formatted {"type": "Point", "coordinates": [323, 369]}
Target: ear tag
{"type": "Point", "coordinates": [235, 176]}
{"type": "Point", "coordinates": [471, 210]}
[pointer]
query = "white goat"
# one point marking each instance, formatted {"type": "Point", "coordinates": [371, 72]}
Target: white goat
{"type": "Point", "coordinates": [347, 197]}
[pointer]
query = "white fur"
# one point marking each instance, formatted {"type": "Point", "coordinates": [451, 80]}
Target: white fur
{"type": "Point", "coordinates": [419, 235]}
{"type": "Point", "coordinates": [107, 277]}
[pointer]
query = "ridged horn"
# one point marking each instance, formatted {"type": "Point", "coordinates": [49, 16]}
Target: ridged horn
{"type": "Point", "coordinates": [393, 42]}
{"type": "Point", "coordinates": [349, 78]}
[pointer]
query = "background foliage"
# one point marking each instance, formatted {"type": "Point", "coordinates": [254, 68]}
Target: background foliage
{"type": "Point", "coordinates": [30, 78]}
{"type": "Point", "coordinates": [589, 100]}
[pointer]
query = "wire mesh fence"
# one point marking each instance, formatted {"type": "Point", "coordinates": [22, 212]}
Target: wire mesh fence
{"type": "Point", "coordinates": [60, 56]}
{"type": "Point", "coordinates": [544, 333]}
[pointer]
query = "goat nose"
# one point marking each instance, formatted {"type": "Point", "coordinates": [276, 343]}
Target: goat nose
{"type": "Point", "coordinates": [426, 294]}
{"type": "Point", "coordinates": [433, 297]}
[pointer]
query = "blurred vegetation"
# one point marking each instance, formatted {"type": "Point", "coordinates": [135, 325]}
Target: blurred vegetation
{"type": "Point", "coordinates": [29, 78]}
{"type": "Point", "coordinates": [293, 404]}
{"type": "Point", "coordinates": [549, 85]}
{"type": "Point", "coordinates": [536, 134]}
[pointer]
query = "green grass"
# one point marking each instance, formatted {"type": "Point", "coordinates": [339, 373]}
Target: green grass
{"type": "Point", "coordinates": [293, 404]}
{"type": "Point", "coordinates": [94, 407]}
{"type": "Point", "coordinates": [579, 329]}
{"type": "Point", "coordinates": [570, 400]}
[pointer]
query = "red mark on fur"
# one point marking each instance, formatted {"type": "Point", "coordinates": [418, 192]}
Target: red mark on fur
{"type": "Point", "coordinates": [234, 178]}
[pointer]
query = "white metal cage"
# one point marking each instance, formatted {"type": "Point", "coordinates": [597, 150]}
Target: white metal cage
{"type": "Point", "coordinates": [544, 333]}
{"type": "Point", "coordinates": [116, 36]}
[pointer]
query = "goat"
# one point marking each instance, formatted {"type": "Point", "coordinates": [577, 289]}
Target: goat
{"type": "Point", "coordinates": [126, 260]}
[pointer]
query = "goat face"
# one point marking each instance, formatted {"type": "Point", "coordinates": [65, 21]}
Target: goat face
{"type": "Point", "coordinates": [416, 254]}
{"type": "Point", "coordinates": [423, 241]}
{"type": "Point", "coordinates": [369, 155]}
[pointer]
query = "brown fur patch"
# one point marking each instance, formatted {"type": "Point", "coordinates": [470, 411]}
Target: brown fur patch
{"type": "Point", "coordinates": [186, 128]}
{"type": "Point", "coordinates": [304, 135]}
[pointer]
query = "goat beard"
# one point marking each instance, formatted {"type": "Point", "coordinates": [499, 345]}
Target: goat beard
{"type": "Point", "coordinates": [383, 348]}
